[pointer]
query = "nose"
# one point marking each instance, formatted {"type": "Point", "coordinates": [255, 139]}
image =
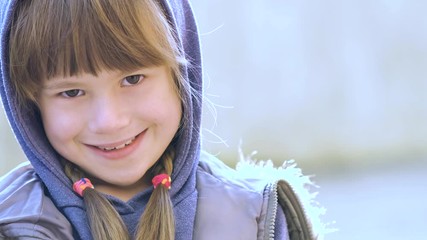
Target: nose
{"type": "Point", "coordinates": [109, 114]}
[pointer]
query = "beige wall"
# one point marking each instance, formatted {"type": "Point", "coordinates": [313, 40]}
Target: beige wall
{"type": "Point", "coordinates": [340, 82]}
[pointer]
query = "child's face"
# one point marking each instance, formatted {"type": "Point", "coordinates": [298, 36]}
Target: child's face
{"type": "Point", "coordinates": [114, 126]}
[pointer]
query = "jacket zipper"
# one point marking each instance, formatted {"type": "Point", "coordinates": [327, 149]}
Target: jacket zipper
{"type": "Point", "coordinates": [273, 203]}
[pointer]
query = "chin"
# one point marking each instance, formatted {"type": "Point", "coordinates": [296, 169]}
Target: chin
{"type": "Point", "coordinates": [128, 181]}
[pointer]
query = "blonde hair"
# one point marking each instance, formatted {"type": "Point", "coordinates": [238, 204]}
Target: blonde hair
{"type": "Point", "coordinates": [64, 38]}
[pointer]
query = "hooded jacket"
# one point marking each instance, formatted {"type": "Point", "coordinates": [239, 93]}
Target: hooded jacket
{"type": "Point", "coordinates": [28, 130]}
{"type": "Point", "coordinates": [37, 200]}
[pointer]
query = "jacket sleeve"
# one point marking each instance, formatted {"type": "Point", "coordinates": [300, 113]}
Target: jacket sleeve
{"type": "Point", "coordinates": [24, 231]}
{"type": "Point", "coordinates": [26, 212]}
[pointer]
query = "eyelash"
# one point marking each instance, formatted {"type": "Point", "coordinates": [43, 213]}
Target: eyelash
{"type": "Point", "coordinates": [68, 95]}
{"type": "Point", "coordinates": [72, 93]}
{"type": "Point", "coordinates": [126, 82]}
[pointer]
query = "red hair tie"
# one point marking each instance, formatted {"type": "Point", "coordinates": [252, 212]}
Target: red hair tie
{"type": "Point", "coordinates": [81, 185]}
{"type": "Point", "coordinates": [162, 179]}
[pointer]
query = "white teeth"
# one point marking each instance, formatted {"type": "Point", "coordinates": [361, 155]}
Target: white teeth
{"type": "Point", "coordinates": [129, 142]}
{"type": "Point", "coordinates": [117, 147]}
{"type": "Point", "coordinates": [108, 149]}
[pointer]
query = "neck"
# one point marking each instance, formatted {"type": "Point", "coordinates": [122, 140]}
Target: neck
{"type": "Point", "coordinates": [122, 192]}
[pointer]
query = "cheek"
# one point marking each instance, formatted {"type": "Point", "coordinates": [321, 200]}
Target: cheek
{"type": "Point", "coordinates": [166, 115]}
{"type": "Point", "coordinates": [171, 111]}
{"type": "Point", "coordinates": [59, 124]}
{"type": "Point", "coordinates": [160, 105]}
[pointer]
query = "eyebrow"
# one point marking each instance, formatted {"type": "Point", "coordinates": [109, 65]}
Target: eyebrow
{"type": "Point", "coordinates": [75, 81]}
{"type": "Point", "coordinates": [59, 84]}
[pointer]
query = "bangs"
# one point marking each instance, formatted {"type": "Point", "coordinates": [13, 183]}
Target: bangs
{"type": "Point", "coordinates": [66, 38]}
{"type": "Point", "coordinates": [91, 54]}
{"type": "Point", "coordinates": [102, 37]}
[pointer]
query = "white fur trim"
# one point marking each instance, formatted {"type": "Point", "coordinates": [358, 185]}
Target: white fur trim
{"type": "Point", "coordinates": [248, 167]}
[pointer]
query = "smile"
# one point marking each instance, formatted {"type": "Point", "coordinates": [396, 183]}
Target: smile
{"type": "Point", "coordinates": [123, 145]}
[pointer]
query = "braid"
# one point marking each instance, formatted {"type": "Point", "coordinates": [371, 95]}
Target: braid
{"type": "Point", "coordinates": [157, 221]}
{"type": "Point", "coordinates": [105, 222]}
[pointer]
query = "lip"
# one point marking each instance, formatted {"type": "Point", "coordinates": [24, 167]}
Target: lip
{"type": "Point", "coordinates": [118, 153]}
{"type": "Point", "coordinates": [117, 144]}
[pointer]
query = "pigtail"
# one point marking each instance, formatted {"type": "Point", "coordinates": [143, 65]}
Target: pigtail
{"type": "Point", "coordinates": [105, 222]}
{"type": "Point", "coordinates": [157, 221]}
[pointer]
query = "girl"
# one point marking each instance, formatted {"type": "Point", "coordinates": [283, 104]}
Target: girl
{"type": "Point", "coordinates": [104, 97]}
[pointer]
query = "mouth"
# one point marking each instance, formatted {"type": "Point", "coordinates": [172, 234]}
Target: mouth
{"type": "Point", "coordinates": [118, 147]}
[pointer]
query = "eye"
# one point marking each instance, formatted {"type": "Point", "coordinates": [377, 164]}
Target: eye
{"type": "Point", "coordinates": [132, 80]}
{"type": "Point", "coordinates": [72, 93]}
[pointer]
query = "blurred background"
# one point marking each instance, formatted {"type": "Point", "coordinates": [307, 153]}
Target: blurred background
{"type": "Point", "coordinates": [339, 86]}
